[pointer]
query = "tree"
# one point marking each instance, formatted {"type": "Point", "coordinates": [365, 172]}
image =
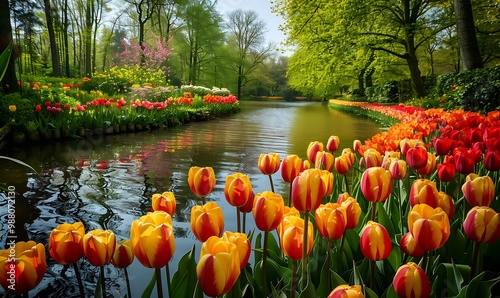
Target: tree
{"type": "Point", "coordinates": [466, 31]}
{"type": "Point", "coordinates": [9, 81]}
{"type": "Point", "coordinates": [246, 36]}
{"type": "Point", "coordinates": [56, 66]}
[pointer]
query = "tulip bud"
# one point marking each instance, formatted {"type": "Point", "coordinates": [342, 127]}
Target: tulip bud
{"type": "Point", "coordinates": [409, 246]}
{"type": "Point", "coordinates": [376, 184]}
{"type": "Point", "coordinates": [312, 149]}
{"type": "Point", "coordinates": [269, 163]}
{"type": "Point", "coordinates": [398, 169]}
{"type": "Point", "coordinates": [478, 190]}
{"type": "Point", "coordinates": [411, 281]}
{"type": "Point", "coordinates": [238, 189]}
{"type": "Point", "coordinates": [375, 243]}
{"type": "Point", "coordinates": [291, 166]}
{"type": "Point", "coordinates": [324, 161]}
{"type": "Point", "coordinates": [164, 202]}
{"type": "Point", "coordinates": [207, 221]}
{"type": "Point", "coordinates": [201, 181]}
{"type": "Point", "coordinates": [333, 143]}
{"type": "Point", "coordinates": [342, 164]}
{"type": "Point", "coordinates": [123, 255]}
{"type": "Point", "coordinates": [492, 160]}
{"type": "Point", "coordinates": [356, 145]}
{"type": "Point", "coordinates": [99, 246]}
{"type": "Point", "coordinates": [373, 158]}
{"type": "Point", "coordinates": [482, 224]}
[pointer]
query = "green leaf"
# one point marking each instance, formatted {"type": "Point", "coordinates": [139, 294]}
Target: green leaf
{"type": "Point", "coordinates": [4, 59]}
{"type": "Point", "coordinates": [255, 288]}
{"type": "Point", "coordinates": [384, 220]}
{"type": "Point", "coordinates": [323, 290]}
{"type": "Point", "coordinates": [20, 162]}
{"type": "Point", "coordinates": [149, 288]}
{"type": "Point", "coordinates": [184, 280]}
{"type": "Point", "coordinates": [309, 290]}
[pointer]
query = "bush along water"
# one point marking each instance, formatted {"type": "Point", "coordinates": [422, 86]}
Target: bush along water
{"type": "Point", "coordinates": [411, 212]}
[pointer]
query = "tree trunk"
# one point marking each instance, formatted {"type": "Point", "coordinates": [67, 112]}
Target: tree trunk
{"type": "Point", "coordinates": [56, 66]}
{"type": "Point", "coordinates": [88, 40]}
{"type": "Point", "coordinates": [416, 76]}
{"type": "Point", "coordinates": [361, 79]}
{"type": "Point", "coordinates": [466, 32]}
{"type": "Point", "coordinates": [66, 42]}
{"type": "Point", "coordinates": [9, 81]}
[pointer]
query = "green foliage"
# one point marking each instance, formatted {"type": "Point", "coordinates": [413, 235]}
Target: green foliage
{"type": "Point", "coordinates": [25, 109]}
{"type": "Point", "coordinates": [387, 92]}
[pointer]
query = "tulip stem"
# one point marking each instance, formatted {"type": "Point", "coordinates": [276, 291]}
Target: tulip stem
{"type": "Point", "coordinates": [290, 196]}
{"type": "Point", "coordinates": [103, 284]}
{"type": "Point", "coordinates": [159, 287]}
{"type": "Point", "coordinates": [374, 209]}
{"type": "Point", "coordinates": [475, 256]}
{"type": "Point", "coordinates": [79, 279]}
{"type": "Point", "coordinates": [372, 277]}
{"type": "Point", "coordinates": [328, 263]}
{"type": "Point", "coordinates": [167, 271]}
{"type": "Point", "coordinates": [339, 256]}
{"type": "Point", "coordinates": [129, 293]}
{"type": "Point", "coordinates": [244, 221]}
{"type": "Point", "coordinates": [271, 181]}
{"type": "Point", "coordinates": [304, 249]}
{"type": "Point", "coordinates": [294, 278]}
{"type": "Point", "coordinates": [203, 200]}
{"type": "Point", "coordinates": [238, 219]}
{"type": "Point", "coordinates": [264, 264]}
{"type": "Point", "coordinates": [346, 184]}
{"type": "Point", "coordinates": [424, 261]}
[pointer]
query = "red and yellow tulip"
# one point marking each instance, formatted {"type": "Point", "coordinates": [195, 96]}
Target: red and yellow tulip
{"type": "Point", "coordinates": [324, 161]}
{"type": "Point", "coordinates": [478, 190]}
{"type": "Point", "coordinates": [482, 224]}
{"type": "Point", "coordinates": [269, 163]}
{"type": "Point", "coordinates": [346, 291]}
{"type": "Point", "coordinates": [411, 281]}
{"type": "Point", "coordinates": [313, 149]}
{"type": "Point", "coordinates": [376, 184]}
{"type": "Point", "coordinates": [291, 166]}
{"type": "Point", "coordinates": [164, 202]}
{"type": "Point", "coordinates": [201, 181]}
{"type": "Point", "coordinates": [291, 237]}
{"type": "Point", "coordinates": [237, 189]}
{"type": "Point", "coordinates": [333, 143]}
{"type": "Point", "coordinates": [331, 220]}
{"type": "Point", "coordinates": [309, 188]}
{"type": "Point", "coordinates": [409, 246]}
{"type": "Point", "coordinates": [242, 244]}
{"type": "Point", "coordinates": [207, 221]}
{"type": "Point", "coordinates": [99, 246]}
{"type": "Point", "coordinates": [123, 255]}
{"type": "Point", "coordinates": [268, 210]}
{"type": "Point", "coordinates": [430, 227]}
{"type": "Point", "coordinates": [66, 243]}
{"type": "Point", "coordinates": [375, 243]}
{"type": "Point", "coordinates": [352, 208]}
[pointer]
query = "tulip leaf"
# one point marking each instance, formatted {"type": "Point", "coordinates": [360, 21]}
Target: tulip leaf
{"type": "Point", "coordinates": [449, 278]}
{"type": "Point", "coordinates": [184, 280]}
{"type": "Point", "coordinates": [323, 290]}
{"type": "Point", "coordinates": [309, 290]}
{"type": "Point", "coordinates": [149, 288]}
{"type": "Point", "coordinates": [255, 287]}
{"type": "Point", "coordinates": [20, 162]}
{"type": "Point", "coordinates": [384, 220]}
{"type": "Point", "coordinates": [394, 259]}
{"type": "Point", "coordinates": [258, 248]}
{"type": "Point", "coordinates": [369, 293]}
{"type": "Point", "coordinates": [337, 280]}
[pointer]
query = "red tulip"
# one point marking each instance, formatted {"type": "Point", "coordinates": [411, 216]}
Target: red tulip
{"type": "Point", "coordinates": [442, 145]}
{"type": "Point", "coordinates": [417, 157]}
{"type": "Point", "coordinates": [333, 143]}
{"type": "Point", "coordinates": [446, 171]}
{"type": "Point", "coordinates": [430, 166]}
{"type": "Point", "coordinates": [411, 281]}
{"type": "Point", "coordinates": [492, 160]}
{"type": "Point", "coordinates": [375, 243]}
{"type": "Point", "coordinates": [482, 224]}
{"type": "Point", "coordinates": [464, 163]}
{"type": "Point", "coordinates": [38, 108]}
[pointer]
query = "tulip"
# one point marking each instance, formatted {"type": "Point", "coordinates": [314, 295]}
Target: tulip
{"type": "Point", "coordinates": [324, 161]}
{"type": "Point", "coordinates": [151, 234]}
{"type": "Point", "coordinates": [164, 202]}
{"type": "Point", "coordinates": [22, 266]}
{"type": "Point", "coordinates": [492, 160]}
{"type": "Point", "coordinates": [247, 208]}
{"type": "Point", "coordinates": [464, 163]}
{"type": "Point", "coordinates": [312, 149]}
{"type": "Point", "coordinates": [207, 221]}
{"type": "Point", "coordinates": [353, 210]}
{"type": "Point", "coordinates": [342, 164]}
{"type": "Point", "coordinates": [123, 255]}
{"type": "Point", "coordinates": [430, 166]}
{"type": "Point", "coordinates": [409, 246]}
{"type": "Point", "coordinates": [218, 268]}
{"type": "Point", "coordinates": [201, 181]}
{"type": "Point", "coordinates": [411, 281]}
{"type": "Point", "coordinates": [66, 243]}
{"type": "Point", "coordinates": [478, 190]}
{"type": "Point", "coordinates": [331, 220]}
{"type": "Point", "coordinates": [356, 145]}
{"type": "Point", "coordinates": [346, 291]}
{"type": "Point", "coordinates": [12, 108]}
{"type": "Point", "coordinates": [430, 227]}
{"type": "Point", "coordinates": [350, 154]}
{"type": "Point", "coordinates": [267, 210]}
{"type": "Point", "coordinates": [333, 143]}
{"type": "Point", "coordinates": [38, 108]}
{"type": "Point", "coordinates": [446, 171]}
{"type": "Point", "coordinates": [398, 169]}
{"type": "Point", "coordinates": [99, 246]}
{"type": "Point", "coordinates": [375, 243]}
{"type": "Point", "coordinates": [445, 202]}
{"type": "Point", "coordinates": [405, 145]}
{"type": "Point", "coordinates": [238, 189]}
{"type": "Point", "coordinates": [242, 245]}
{"type": "Point", "coordinates": [269, 163]}
{"type": "Point", "coordinates": [309, 188]}
{"type": "Point", "coordinates": [373, 158]}
{"type": "Point", "coordinates": [291, 166]}
{"type": "Point", "coordinates": [376, 186]}
{"type": "Point", "coordinates": [442, 145]}
{"type": "Point", "coordinates": [482, 224]}
{"type": "Point", "coordinates": [291, 237]}
{"type": "Point", "coordinates": [424, 191]}
{"type": "Point", "coordinates": [417, 157]}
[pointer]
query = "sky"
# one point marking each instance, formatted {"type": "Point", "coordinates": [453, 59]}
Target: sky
{"type": "Point", "coordinates": [263, 8]}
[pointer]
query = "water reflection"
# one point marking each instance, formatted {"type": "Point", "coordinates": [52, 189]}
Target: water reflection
{"type": "Point", "coordinates": [107, 182]}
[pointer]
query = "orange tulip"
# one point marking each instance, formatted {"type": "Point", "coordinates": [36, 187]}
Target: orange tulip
{"type": "Point", "coordinates": [430, 227]}
{"type": "Point", "coordinates": [291, 237]}
{"type": "Point", "coordinates": [238, 189]}
{"type": "Point", "coordinates": [66, 243]}
{"type": "Point", "coordinates": [346, 291]}
{"type": "Point", "coordinates": [291, 166]}
{"type": "Point", "coordinates": [409, 246]}
{"type": "Point", "coordinates": [375, 243]}
{"type": "Point", "coordinates": [430, 166]}
{"type": "Point", "coordinates": [309, 188]}
{"type": "Point", "coordinates": [353, 210]}
{"type": "Point", "coordinates": [333, 143]}
{"type": "Point", "coordinates": [356, 145]}
{"type": "Point", "coordinates": [123, 255]}
{"type": "Point", "coordinates": [218, 267]}
{"type": "Point", "coordinates": [242, 244]}
{"type": "Point", "coordinates": [331, 220]}
{"type": "Point", "coordinates": [424, 191]}
{"type": "Point", "coordinates": [342, 164]}
{"type": "Point", "coordinates": [152, 239]}
{"type": "Point", "coordinates": [164, 202]}
{"type": "Point", "coordinates": [376, 184]}
{"type": "Point", "coordinates": [99, 246]}
{"type": "Point", "coordinates": [287, 211]}
{"type": "Point", "coordinates": [350, 154]}
{"type": "Point", "coordinates": [269, 163]}
{"type": "Point", "coordinates": [22, 266]}
{"type": "Point", "coordinates": [411, 281]}
{"type": "Point", "coordinates": [478, 190]}
{"type": "Point", "coordinates": [267, 210]}
{"type": "Point", "coordinates": [207, 221]}
{"type": "Point", "coordinates": [201, 181]}
{"type": "Point", "coordinates": [482, 224]}
{"type": "Point", "coordinates": [324, 161]}
{"type": "Point", "coordinates": [313, 149]}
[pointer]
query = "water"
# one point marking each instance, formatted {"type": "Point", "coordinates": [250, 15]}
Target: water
{"type": "Point", "coordinates": [107, 182]}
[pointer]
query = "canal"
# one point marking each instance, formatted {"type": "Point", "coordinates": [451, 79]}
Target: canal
{"type": "Point", "coordinates": [107, 182]}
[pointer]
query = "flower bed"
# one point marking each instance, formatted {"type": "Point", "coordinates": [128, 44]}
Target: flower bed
{"type": "Point", "coordinates": [411, 212]}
